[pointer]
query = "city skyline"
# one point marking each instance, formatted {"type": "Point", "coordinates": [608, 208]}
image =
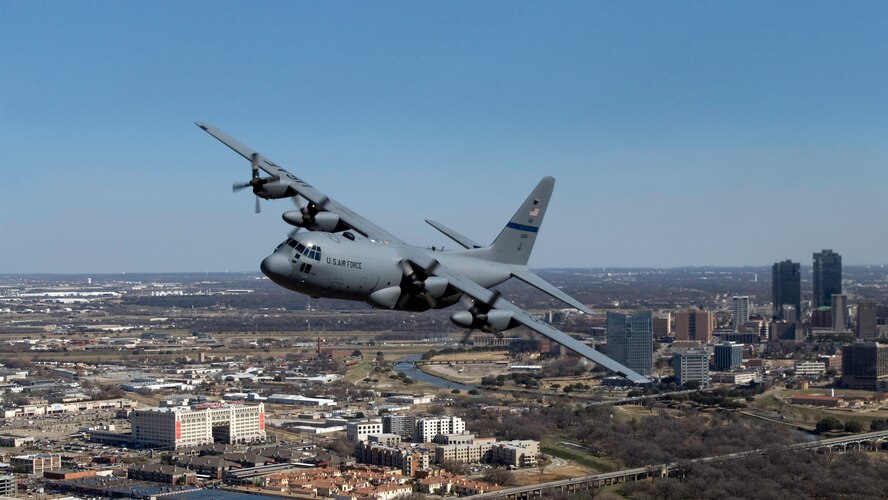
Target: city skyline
{"type": "Point", "coordinates": [408, 111]}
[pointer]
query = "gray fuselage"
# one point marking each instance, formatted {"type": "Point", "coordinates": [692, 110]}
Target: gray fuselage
{"type": "Point", "coordinates": [349, 267]}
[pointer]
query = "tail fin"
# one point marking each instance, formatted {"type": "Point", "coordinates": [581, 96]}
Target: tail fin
{"type": "Point", "coordinates": [515, 242]}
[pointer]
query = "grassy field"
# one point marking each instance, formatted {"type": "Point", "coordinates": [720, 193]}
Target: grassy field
{"type": "Point", "coordinates": [552, 445]}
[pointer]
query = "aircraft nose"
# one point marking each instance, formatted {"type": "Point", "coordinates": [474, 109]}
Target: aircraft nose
{"type": "Point", "coordinates": [275, 265]}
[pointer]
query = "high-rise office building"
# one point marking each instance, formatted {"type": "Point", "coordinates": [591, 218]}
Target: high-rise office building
{"type": "Point", "coordinates": [867, 320]}
{"type": "Point", "coordinates": [728, 356]}
{"type": "Point", "coordinates": [786, 287]}
{"type": "Point", "coordinates": [839, 312]}
{"type": "Point", "coordinates": [630, 340]}
{"type": "Point", "coordinates": [663, 325]}
{"type": "Point", "coordinates": [740, 307]}
{"type": "Point", "coordinates": [827, 277]}
{"type": "Point", "coordinates": [694, 325]}
{"type": "Point", "coordinates": [865, 366]}
{"type": "Point", "coordinates": [691, 366]}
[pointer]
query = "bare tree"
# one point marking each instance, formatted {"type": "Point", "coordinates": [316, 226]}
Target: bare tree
{"type": "Point", "coordinates": [543, 461]}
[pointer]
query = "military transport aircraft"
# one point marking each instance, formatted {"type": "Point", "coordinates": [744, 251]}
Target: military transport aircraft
{"type": "Point", "coordinates": [342, 255]}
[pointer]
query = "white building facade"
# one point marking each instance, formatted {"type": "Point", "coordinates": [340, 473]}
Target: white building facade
{"type": "Point", "coordinates": [358, 431]}
{"type": "Point", "coordinates": [426, 429]}
{"type": "Point", "coordinates": [198, 425]}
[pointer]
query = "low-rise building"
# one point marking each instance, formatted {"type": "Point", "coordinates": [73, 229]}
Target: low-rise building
{"type": "Point", "coordinates": [36, 463]}
{"type": "Point", "coordinates": [410, 399]}
{"type": "Point", "coordinates": [160, 473]}
{"type": "Point", "coordinates": [358, 431]}
{"type": "Point", "coordinates": [294, 399]}
{"type": "Point", "coordinates": [515, 453]}
{"type": "Point", "coordinates": [817, 400]}
{"type": "Point", "coordinates": [736, 378]}
{"type": "Point", "coordinates": [462, 453]}
{"type": "Point", "coordinates": [15, 441]}
{"type": "Point", "coordinates": [454, 438]}
{"type": "Point", "coordinates": [384, 438]}
{"type": "Point", "coordinates": [8, 486]}
{"type": "Point", "coordinates": [810, 368]}
{"type": "Point", "coordinates": [408, 460]}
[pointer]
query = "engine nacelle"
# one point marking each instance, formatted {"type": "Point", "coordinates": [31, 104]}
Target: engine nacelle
{"type": "Point", "coordinates": [386, 298]}
{"type": "Point", "coordinates": [293, 217]}
{"type": "Point", "coordinates": [492, 322]}
{"type": "Point", "coordinates": [435, 287]}
{"type": "Point", "coordinates": [273, 190]}
{"type": "Point", "coordinates": [326, 221]}
{"type": "Point", "coordinates": [323, 221]}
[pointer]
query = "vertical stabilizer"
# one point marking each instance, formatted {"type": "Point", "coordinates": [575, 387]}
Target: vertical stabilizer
{"type": "Point", "coordinates": [515, 242]}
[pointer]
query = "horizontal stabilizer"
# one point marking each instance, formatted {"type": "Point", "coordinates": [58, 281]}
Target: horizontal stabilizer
{"type": "Point", "coordinates": [465, 241]}
{"type": "Point", "coordinates": [544, 286]}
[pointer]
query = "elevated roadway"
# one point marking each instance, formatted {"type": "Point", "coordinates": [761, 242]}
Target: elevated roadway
{"type": "Point", "coordinates": [867, 440]}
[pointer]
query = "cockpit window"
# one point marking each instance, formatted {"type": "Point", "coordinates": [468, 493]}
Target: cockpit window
{"type": "Point", "coordinates": [310, 251]}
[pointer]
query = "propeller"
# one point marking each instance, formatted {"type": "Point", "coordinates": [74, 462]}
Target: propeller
{"type": "Point", "coordinates": [479, 310]}
{"type": "Point", "coordinates": [255, 182]}
{"type": "Point", "coordinates": [309, 211]}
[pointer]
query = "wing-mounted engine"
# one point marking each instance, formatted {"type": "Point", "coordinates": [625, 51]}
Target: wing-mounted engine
{"type": "Point", "coordinates": [312, 217]}
{"type": "Point", "coordinates": [483, 317]}
{"type": "Point", "coordinates": [417, 291]}
{"type": "Point", "coordinates": [269, 188]}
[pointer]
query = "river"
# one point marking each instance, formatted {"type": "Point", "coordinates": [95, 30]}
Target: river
{"type": "Point", "coordinates": [405, 366]}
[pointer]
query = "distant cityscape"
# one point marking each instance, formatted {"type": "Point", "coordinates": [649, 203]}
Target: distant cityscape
{"type": "Point", "coordinates": [153, 385]}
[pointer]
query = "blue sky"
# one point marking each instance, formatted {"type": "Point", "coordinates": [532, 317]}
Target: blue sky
{"type": "Point", "coordinates": [680, 133]}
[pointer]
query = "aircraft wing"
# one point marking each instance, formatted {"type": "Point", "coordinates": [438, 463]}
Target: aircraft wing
{"type": "Point", "coordinates": [464, 241]}
{"type": "Point", "coordinates": [495, 301]}
{"type": "Point", "coordinates": [535, 281]}
{"type": "Point", "coordinates": [306, 190]}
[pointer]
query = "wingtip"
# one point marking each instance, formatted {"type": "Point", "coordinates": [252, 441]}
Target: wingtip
{"type": "Point", "coordinates": [202, 125]}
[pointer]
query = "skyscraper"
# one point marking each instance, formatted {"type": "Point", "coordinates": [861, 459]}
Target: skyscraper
{"type": "Point", "coordinates": [630, 340]}
{"type": "Point", "coordinates": [839, 312]}
{"type": "Point", "coordinates": [694, 325]}
{"type": "Point", "coordinates": [786, 287]}
{"type": "Point", "coordinates": [867, 320]}
{"type": "Point", "coordinates": [827, 277]}
{"type": "Point", "coordinates": [740, 306]}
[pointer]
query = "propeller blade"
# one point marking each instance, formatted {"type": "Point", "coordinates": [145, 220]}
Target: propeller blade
{"type": "Point", "coordinates": [258, 206]}
{"type": "Point", "coordinates": [406, 268]}
{"type": "Point", "coordinates": [465, 339]}
{"type": "Point", "coordinates": [298, 201]}
{"type": "Point", "coordinates": [254, 164]}
{"type": "Point", "coordinates": [238, 186]}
